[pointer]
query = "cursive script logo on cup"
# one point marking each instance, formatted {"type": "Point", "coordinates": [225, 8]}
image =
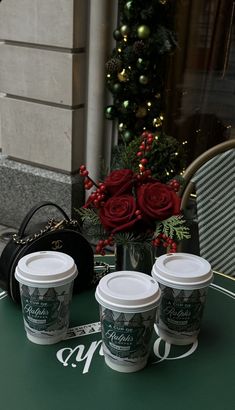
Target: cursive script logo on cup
{"type": "Point", "coordinates": [35, 312]}
{"type": "Point", "coordinates": [121, 338]}
{"type": "Point", "coordinates": [177, 314]}
{"type": "Point", "coordinates": [58, 244]}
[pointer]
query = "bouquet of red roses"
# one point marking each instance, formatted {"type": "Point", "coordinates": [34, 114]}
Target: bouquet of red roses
{"type": "Point", "coordinates": [131, 206]}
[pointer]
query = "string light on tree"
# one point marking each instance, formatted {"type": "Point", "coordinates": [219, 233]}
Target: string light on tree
{"type": "Point", "coordinates": [157, 122]}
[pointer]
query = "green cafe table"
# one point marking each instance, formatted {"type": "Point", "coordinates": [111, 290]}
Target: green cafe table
{"type": "Point", "coordinates": [72, 374]}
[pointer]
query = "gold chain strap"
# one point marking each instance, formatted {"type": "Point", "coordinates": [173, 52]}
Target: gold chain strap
{"type": "Point", "coordinates": [52, 225]}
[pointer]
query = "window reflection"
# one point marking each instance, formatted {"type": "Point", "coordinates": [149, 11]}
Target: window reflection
{"type": "Point", "coordinates": [200, 92]}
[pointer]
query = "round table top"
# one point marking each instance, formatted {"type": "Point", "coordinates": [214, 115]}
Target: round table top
{"type": "Point", "coordinates": [72, 374]}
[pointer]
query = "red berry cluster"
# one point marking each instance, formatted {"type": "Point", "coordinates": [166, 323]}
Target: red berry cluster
{"type": "Point", "coordinates": [97, 197]}
{"type": "Point", "coordinates": [83, 171]}
{"type": "Point", "coordinates": [174, 184]}
{"type": "Point", "coordinates": [88, 183]}
{"type": "Point", "coordinates": [145, 147]}
{"type": "Point", "coordinates": [102, 243]}
{"type": "Point", "coordinates": [166, 242]}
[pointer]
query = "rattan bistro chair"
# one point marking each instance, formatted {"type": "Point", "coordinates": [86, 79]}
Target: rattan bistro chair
{"type": "Point", "coordinates": [211, 177]}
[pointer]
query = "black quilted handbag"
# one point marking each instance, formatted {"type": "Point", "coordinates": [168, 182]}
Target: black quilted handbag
{"type": "Point", "coordinates": [63, 236]}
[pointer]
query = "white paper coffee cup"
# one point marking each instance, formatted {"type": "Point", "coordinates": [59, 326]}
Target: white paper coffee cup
{"type": "Point", "coordinates": [183, 279]}
{"type": "Point", "coordinates": [128, 302]}
{"type": "Point", "coordinates": [46, 282]}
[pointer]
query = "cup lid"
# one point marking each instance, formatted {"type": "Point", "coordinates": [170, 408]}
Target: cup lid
{"type": "Point", "coordinates": [182, 270]}
{"type": "Point", "coordinates": [128, 291]}
{"type": "Point", "coordinates": [46, 269]}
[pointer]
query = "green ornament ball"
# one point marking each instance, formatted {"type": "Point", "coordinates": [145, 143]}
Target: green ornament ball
{"type": "Point", "coordinates": [128, 8]}
{"type": "Point", "coordinates": [121, 127]}
{"type": "Point", "coordinates": [110, 112]}
{"type": "Point", "coordinates": [143, 79]}
{"type": "Point", "coordinates": [127, 136]}
{"type": "Point", "coordinates": [142, 64]}
{"type": "Point", "coordinates": [116, 88]}
{"type": "Point", "coordinates": [123, 75]}
{"type": "Point", "coordinates": [126, 105]}
{"type": "Point", "coordinates": [117, 35]}
{"type": "Point", "coordinates": [143, 32]}
{"type": "Point", "coordinates": [125, 30]}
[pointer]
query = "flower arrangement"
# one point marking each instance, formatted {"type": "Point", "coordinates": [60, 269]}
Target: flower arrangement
{"type": "Point", "coordinates": [136, 203]}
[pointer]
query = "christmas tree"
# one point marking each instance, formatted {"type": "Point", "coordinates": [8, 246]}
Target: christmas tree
{"type": "Point", "coordinates": [144, 155]}
{"type": "Point", "coordinates": [135, 72]}
{"type": "Point", "coordinates": [136, 78]}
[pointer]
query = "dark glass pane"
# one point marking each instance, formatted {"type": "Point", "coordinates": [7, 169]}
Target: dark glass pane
{"type": "Point", "coordinates": [200, 91]}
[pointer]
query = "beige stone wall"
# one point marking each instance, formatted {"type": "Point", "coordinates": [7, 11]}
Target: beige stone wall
{"type": "Point", "coordinates": [58, 23]}
{"type": "Point", "coordinates": [43, 74]}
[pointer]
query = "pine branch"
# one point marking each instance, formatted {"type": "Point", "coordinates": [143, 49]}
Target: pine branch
{"type": "Point", "coordinates": [173, 227]}
{"type": "Point", "coordinates": [88, 215]}
{"type": "Point", "coordinates": [91, 224]}
{"type": "Point", "coordinates": [158, 230]}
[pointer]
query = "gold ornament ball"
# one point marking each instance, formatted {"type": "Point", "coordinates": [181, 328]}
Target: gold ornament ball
{"type": "Point", "coordinates": [143, 32]}
{"type": "Point", "coordinates": [123, 76]}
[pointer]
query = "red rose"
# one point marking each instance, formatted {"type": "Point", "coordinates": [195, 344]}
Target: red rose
{"type": "Point", "coordinates": [118, 213]}
{"type": "Point", "coordinates": [157, 201]}
{"type": "Point", "coordinates": [119, 182]}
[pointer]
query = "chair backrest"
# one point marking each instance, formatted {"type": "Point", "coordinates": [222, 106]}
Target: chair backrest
{"type": "Point", "coordinates": [213, 177]}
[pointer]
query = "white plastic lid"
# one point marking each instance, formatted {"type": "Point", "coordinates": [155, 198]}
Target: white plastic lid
{"type": "Point", "coordinates": [128, 291]}
{"type": "Point", "coordinates": [182, 271]}
{"type": "Point", "coordinates": [46, 269]}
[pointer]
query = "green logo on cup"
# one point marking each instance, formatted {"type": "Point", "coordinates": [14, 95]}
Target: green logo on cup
{"type": "Point", "coordinates": [127, 335]}
{"type": "Point", "coordinates": [40, 314]}
{"type": "Point", "coordinates": [182, 310]}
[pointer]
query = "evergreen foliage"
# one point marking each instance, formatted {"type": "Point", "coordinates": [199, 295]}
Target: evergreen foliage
{"type": "Point", "coordinates": [173, 227]}
{"type": "Point", "coordinates": [135, 71]}
{"type": "Point", "coordinates": [166, 159]}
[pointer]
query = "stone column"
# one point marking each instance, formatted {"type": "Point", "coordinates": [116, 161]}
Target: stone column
{"type": "Point", "coordinates": [103, 20]}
